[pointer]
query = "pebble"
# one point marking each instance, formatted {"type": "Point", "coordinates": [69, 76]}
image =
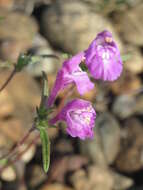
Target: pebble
{"type": "Point", "coordinates": [16, 34]}
{"type": "Point", "coordinates": [109, 131]}
{"type": "Point", "coordinates": [130, 157]}
{"type": "Point", "coordinates": [73, 19]}
{"type": "Point", "coordinates": [130, 25]}
{"type": "Point", "coordinates": [124, 106]}
{"type": "Point", "coordinates": [97, 178]}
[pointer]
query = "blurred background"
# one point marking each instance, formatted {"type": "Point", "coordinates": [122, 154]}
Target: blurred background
{"type": "Point", "coordinates": [114, 159]}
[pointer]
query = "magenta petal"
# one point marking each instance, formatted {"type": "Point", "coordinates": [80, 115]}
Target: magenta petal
{"type": "Point", "coordinates": [72, 64]}
{"type": "Point", "coordinates": [83, 83]}
{"type": "Point", "coordinates": [103, 58]}
{"type": "Point", "coordinates": [57, 86]}
{"type": "Point", "coordinates": [80, 118]}
{"type": "Point", "coordinates": [71, 73]}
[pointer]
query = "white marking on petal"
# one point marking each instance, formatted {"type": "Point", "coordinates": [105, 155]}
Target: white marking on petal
{"type": "Point", "coordinates": [105, 55]}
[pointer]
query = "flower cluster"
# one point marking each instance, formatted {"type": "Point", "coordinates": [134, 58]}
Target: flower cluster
{"type": "Point", "coordinates": [103, 60]}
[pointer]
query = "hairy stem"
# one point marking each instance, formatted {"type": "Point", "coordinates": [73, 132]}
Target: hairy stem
{"type": "Point", "coordinates": [8, 79]}
{"type": "Point", "coordinates": [12, 161]}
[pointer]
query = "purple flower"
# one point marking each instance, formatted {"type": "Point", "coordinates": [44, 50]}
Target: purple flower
{"type": "Point", "coordinates": [71, 73]}
{"type": "Point", "coordinates": [103, 58]}
{"type": "Point", "coordinates": [80, 118]}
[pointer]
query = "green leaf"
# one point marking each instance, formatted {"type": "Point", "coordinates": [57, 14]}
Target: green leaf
{"type": "Point", "coordinates": [23, 60]}
{"type": "Point", "coordinates": [45, 149]}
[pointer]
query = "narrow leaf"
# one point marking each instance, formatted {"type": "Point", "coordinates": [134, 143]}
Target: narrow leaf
{"type": "Point", "coordinates": [45, 90]}
{"type": "Point", "coordinates": [45, 149]}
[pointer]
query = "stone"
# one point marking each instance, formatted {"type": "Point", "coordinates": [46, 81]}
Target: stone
{"type": "Point", "coordinates": [70, 163]}
{"type": "Point", "coordinates": [129, 24]}
{"type": "Point", "coordinates": [39, 41]}
{"type": "Point", "coordinates": [49, 64]}
{"type": "Point", "coordinates": [7, 4]}
{"type": "Point", "coordinates": [27, 6]}
{"type": "Point", "coordinates": [102, 99]}
{"type": "Point", "coordinates": [79, 180]}
{"type": "Point", "coordinates": [16, 34]}
{"type": "Point", "coordinates": [96, 179]}
{"type": "Point", "coordinates": [121, 181]}
{"type": "Point", "coordinates": [64, 146]}
{"type": "Point", "coordinates": [127, 84]}
{"type": "Point", "coordinates": [105, 7]}
{"type": "Point", "coordinates": [20, 110]}
{"type": "Point", "coordinates": [22, 89]}
{"type": "Point", "coordinates": [93, 3]}
{"type": "Point", "coordinates": [109, 131]}
{"type": "Point", "coordinates": [135, 62]}
{"type": "Point", "coordinates": [55, 186]}
{"type": "Point", "coordinates": [93, 149]}
{"type": "Point", "coordinates": [11, 20]}
{"type": "Point", "coordinates": [100, 178]}
{"type": "Point", "coordinates": [78, 24]}
{"type": "Point", "coordinates": [103, 149]}
{"type": "Point", "coordinates": [130, 157]}
{"type": "Point", "coordinates": [124, 106]}
{"type": "Point", "coordinates": [35, 176]}
{"type": "Point", "coordinates": [139, 104]}
{"type": "Point", "coordinates": [29, 154]}
{"type": "Point", "coordinates": [8, 174]}
{"type": "Point", "coordinates": [24, 6]}
{"type": "Point", "coordinates": [8, 138]}
{"type": "Point", "coordinates": [6, 104]}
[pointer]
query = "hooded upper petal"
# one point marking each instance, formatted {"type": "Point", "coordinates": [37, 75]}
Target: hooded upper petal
{"type": "Point", "coordinates": [103, 58]}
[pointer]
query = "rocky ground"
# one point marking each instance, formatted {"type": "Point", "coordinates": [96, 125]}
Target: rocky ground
{"type": "Point", "coordinates": [114, 159]}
